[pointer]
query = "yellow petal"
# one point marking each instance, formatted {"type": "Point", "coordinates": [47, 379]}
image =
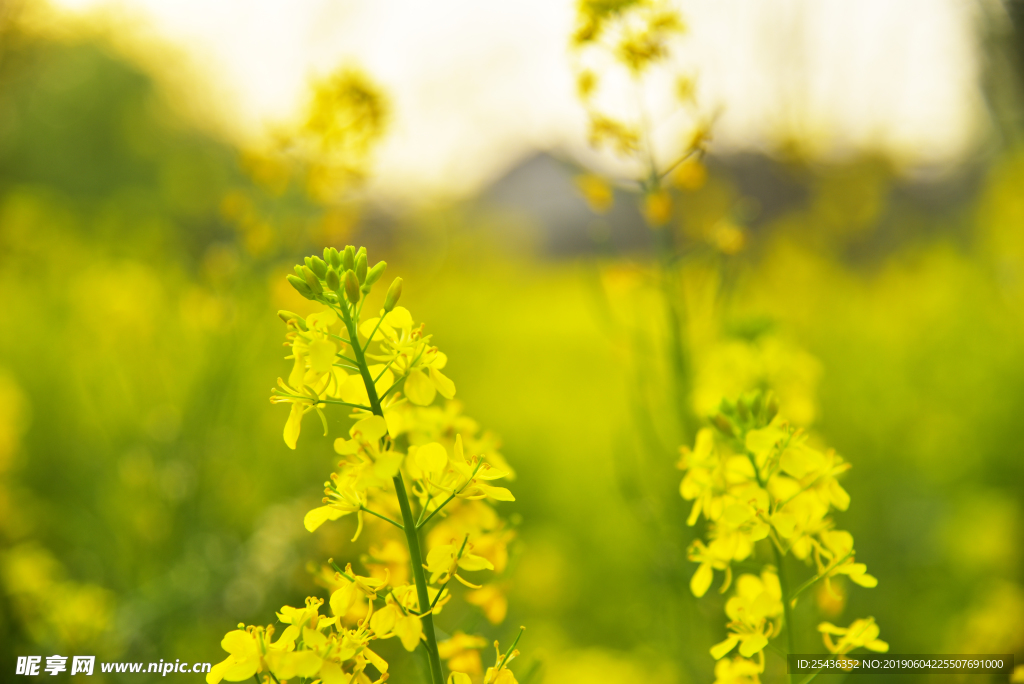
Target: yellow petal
{"type": "Point", "coordinates": [343, 599]}
{"type": "Point", "coordinates": [701, 580]}
{"type": "Point", "coordinates": [878, 646]}
{"type": "Point", "coordinates": [387, 464]}
{"type": "Point", "coordinates": [838, 496]}
{"type": "Point", "coordinates": [331, 673]}
{"type": "Point", "coordinates": [293, 425]}
{"type": "Point", "coordinates": [795, 461]}
{"type": "Point", "coordinates": [839, 542]}
{"type": "Point", "coordinates": [458, 452]}
{"type": "Point", "coordinates": [761, 441]}
{"type": "Point", "coordinates": [354, 391]}
{"type": "Point", "coordinates": [409, 628]}
{"type": "Point", "coordinates": [288, 665]}
{"type": "Point", "coordinates": [864, 580]}
{"type": "Point", "coordinates": [439, 558]}
{"type": "Point", "coordinates": [722, 648]}
{"type": "Point", "coordinates": [345, 447]}
{"type": "Point", "coordinates": [313, 638]}
{"type": "Point", "coordinates": [321, 355]}
{"type": "Point", "coordinates": [216, 673]}
{"type": "Point", "coordinates": [286, 642]}
{"type": "Point", "coordinates": [829, 628]}
{"type": "Point", "coordinates": [432, 457]}
{"type": "Point", "coordinates": [752, 644]}
{"type": "Point", "coordinates": [385, 380]}
{"type": "Point", "coordinates": [298, 371]}
{"type": "Point", "coordinates": [736, 514]}
{"type": "Point", "coordinates": [496, 493]}
{"type": "Point", "coordinates": [240, 671]}
{"type": "Point", "coordinates": [369, 325]}
{"type": "Point", "coordinates": [471, 562]}
{"type": "Point", "coordinates": [399, 317]}
{"type": "Point", "coordinates": [240, 643]}
{"type": "Point", "coordinates": [376, 660]}
{"type": "Point", "coordinates": [383, 621]}
{"type": "Point", "coordinates": [444, 386]}
{"type": "Point", "coordinates": [419, 388]}
{"type": "Point", "coordinates": [369, 429]}
{"type": "Point", "coordinates": [318, 516]}
{"type": "Point", "coordinates": [459, 678]}
{"type": "Point", "coordinates": [322, 319]}
{"type": "Point", "coordinates": [785, 523]}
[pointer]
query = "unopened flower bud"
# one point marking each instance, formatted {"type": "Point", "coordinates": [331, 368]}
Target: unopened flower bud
{"type": "Point", "coordinates": [723, 425]}
{"type": "Point", "coordinates": [312, 281]}
{"type": "Point", "coordinates": [317, 265]}
{"type": "Point", "coordinates": [332, 279]}
{"type": "Point", "coordinates": [771, 408]}
{"type": "Point", "coordinates": [361, 267]}
{"type": "Point", "coordinates": [333, 258]}
{"type": "Point", "coordinates": [348, 258]}
{"type": "Point", "coordinates": [288, 316]}
{"type": "Point", "coordinates": [743, 410]}
{"type": "Point", "coordinates": [373, 275]}
{"type": "Point", "coordinates": [352, 287]}
{"type": "Point", "coordinates": [300, 285]}
{"type": "Point", "coordinates": [394, 293]}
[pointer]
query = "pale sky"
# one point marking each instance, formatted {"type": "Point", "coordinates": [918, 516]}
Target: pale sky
{"type": "Point", "coordinates": [476, 85]}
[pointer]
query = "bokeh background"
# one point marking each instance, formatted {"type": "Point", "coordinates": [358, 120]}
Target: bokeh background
{"type": "Point", "coordinates": [854, 240]}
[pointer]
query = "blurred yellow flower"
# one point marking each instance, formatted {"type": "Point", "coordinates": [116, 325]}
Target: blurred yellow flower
{"type": "Point", "coordinates": [738, 671]}
{"type": "Point", "coordinates": [462, 653]}
{"type": "Point", "coordinates": [862, 633]}
{"type": "Point", "coordinates": [657, 208]}
{"type": "Point", "coordinates": [596, 191]}
{"type": "Point", "coordinates": [492, 600]}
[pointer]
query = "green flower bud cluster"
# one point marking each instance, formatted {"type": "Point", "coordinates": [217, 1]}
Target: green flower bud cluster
{"type": "Point", "coordinates": [345, 273]}
{"type": "Point", "coordinates": [751, 411]}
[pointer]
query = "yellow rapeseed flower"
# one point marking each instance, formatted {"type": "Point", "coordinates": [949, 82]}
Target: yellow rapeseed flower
{"type": "Point", "coordinates": [762, 487]}
{"type": "Point", "coordinates": [862, 633]}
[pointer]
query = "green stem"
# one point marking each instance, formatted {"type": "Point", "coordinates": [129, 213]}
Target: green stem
{"type": "Point", "coordinates": [409, 526]}
{"type": "Point", "coordinates": [786, 610]}
{"type": "Point", "coordinates": [821, 575]}
{"type": "Point", "coordinates": [781, 570]}
{"type": "Point", "coordinates": [811, 677]}
{"type": "Point", "coordinates": [320, 400]}
{"type": "Point", "coordinates": [375, 329]}
{"type": "Point", "coordinates": [678, 357]}
{"type": "Point", "coordinates": [423, 510]}
{"type": "Point", "coordinates": [435, 511]}
{"type": "Point", "coordinates": [384, 370]}
{"type": "Point", "coordinates": [382, 517]}
{"type": "Point", "coordinates": [672, 167]}
{"type": "Point", "coordinates": [339, 337]}
{"type": "Point", "coordinates": [512, 647]}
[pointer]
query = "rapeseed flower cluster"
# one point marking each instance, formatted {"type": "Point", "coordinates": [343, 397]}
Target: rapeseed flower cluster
{"type": "Point", "coordinates": [623, 47]}
{"type": "Point", "coordinates": [761, 487]}
{"type": "Point", "coordinates": [407, 464]}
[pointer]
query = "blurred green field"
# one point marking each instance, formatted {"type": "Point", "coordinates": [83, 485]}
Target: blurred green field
{"type": "Point", "coordinates": [148, 502]}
